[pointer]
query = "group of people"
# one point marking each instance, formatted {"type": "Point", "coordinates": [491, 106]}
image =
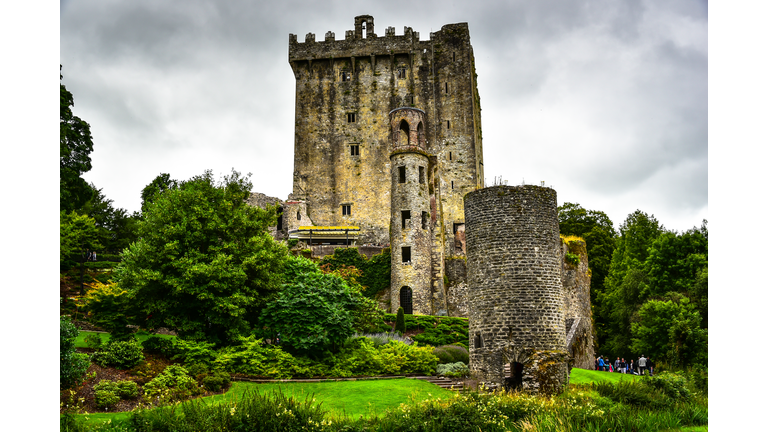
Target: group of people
{"type": "Point", "coordinates": [621, 366]}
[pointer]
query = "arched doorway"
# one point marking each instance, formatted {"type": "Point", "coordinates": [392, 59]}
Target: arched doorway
{"type": "Point", "coordinates": [406, 300]}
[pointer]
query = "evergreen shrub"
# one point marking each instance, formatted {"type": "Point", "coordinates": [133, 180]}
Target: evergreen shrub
{"type": "Point", "coordinates": [173, 383]}
{"type": "Point", "coordinates": [119, 354]}
{"type": "Point", "coordinates": [400, 321]}
{"type": "Point", "coordinates": [216, 381]}
{"type": "Point", "coordinates": [72, 365]}
{"type": "Point", "coordinates": [453, 370]}
{"type": "Point", "coordinates": [452, 354]}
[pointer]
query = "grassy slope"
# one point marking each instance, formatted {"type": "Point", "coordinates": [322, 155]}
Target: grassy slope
{"type": "Point", "coordinates": [586, 376]}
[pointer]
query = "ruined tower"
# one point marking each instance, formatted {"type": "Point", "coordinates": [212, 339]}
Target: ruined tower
{"type": "Point", "coordinates": [517, 307]}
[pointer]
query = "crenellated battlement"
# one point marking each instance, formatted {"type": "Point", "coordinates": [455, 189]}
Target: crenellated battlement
{"type": "Point", "coordinates": [363, 41]}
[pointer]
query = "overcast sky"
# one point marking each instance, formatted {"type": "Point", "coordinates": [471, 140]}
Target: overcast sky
{"type": "Point", "coordinates": [605, 100]}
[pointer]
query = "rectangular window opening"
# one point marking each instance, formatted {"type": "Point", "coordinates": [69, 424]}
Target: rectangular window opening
{"type": "Point", "coordinates": [447, 124]}
{"type": "Point", "coordinates": [405, 216]}
{"type": "Point", "coordinates": [451, 184]}
{"type": "Point", "coordinates": [345, 76]}
{"type": "Point", "coordinates": [354, 150]}
{"type": "Point", "coordinates": [421, 174]}
{"type": "Point", "coordinates": [454, 56]}
{"type": "Point", "coordinates": [424, 220]}
{"type": "Point", "coordinates": [406, 254]}
{"type": "Point", "coordinates": [401, 73]}
{"type": "Point", "coordinates": [346, 209]}
{"type": "Point", "coordinates": [450, 156]}
{"type": "Point", "coordinates": [446, 88]}
{"type": "Point", "coordinates": [351, 117]}
{"type": "Point", "coordinates": [401, 172]}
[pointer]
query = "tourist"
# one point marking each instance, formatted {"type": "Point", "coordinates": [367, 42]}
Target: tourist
{"type": "Point", "coordinates": [623, 366]}
{"type": "Point", "coordinates": [650, 365]}
{"type": "Point", "coordinates": [632, 367]}
{"type": "Point", "coordinates": [617, 365]}
{"type": "Point", "coordinates": [601, 363]}
{"type": "Point", "coordinates": [641, 363]}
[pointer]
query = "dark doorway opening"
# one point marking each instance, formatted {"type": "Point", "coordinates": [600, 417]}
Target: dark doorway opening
{"type": "Point", "coordinates": [515, 379]}
{"type": "Point", "coordinates": [406, 300]}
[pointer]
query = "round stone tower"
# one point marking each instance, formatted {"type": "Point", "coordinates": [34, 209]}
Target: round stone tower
{"type": "Point", "coordinates": [410, 230]}
{"type": "Point", "coordinates": [516, 301]}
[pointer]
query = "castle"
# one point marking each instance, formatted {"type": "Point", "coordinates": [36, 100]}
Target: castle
{"type": "Point", "coordinates": [388, 143]}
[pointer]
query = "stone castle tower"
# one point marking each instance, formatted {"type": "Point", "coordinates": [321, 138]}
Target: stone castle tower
{"type": "Point", "coordinates": [517, 311]}
{"type": "Point", "coordinates": [368, 105]}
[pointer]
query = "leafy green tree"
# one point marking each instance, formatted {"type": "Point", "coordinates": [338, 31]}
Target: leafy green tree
{"type": "Point", "coordinates": [314, 312]}
{"type": "Point", "coordinates": [596, 228]}
{"type": "Point", "coordinates": [75, 147]}
{"type": "Point", "coordinates": [77, 234]}
{"type": "Point", "coordinates": [72, 365]}
{"type": "Point", "coordinates": [204, 263]}
{"type": "Point", "coordinates": [158, 186]}
{"type": "Point", "coordinates": [116, 229]}
{"type": "Point", "coordinates": [675, 261]}
{"type": "Point", "coordinates": [670, 330]}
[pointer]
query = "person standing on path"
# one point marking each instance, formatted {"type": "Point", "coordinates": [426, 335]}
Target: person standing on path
{"type": "Point", "coordinates": [641, 362]}
{"type": "Point", "coordinates": [632, 367]}
{"type": "Point", "coordinates": [617, 365]}
{"type": "Point", "coordinates": [623, 366]}
{"type": "Point", "coordinates": [650, 365]}
{"type": "Point", "coordinates": [601, 363]}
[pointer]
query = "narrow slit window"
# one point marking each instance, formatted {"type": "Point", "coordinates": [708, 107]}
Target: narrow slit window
{"type": "Point", "coordinates": [401, 73]}
{"type": "Point", "coordinates": [354, 150]}
{"type": "Point", "coordinates": [406, 254]}
{"type": "Point", "coordinates": [405, 216]}
{"type": "Point", "coordinates": [346, 210]}
{"type": "Point", "coordinates": [447, 124]}
{"type": "Point", "coordinates": [424, 220]}
{"type": "Point", "coordinates": [454, 56]}
{"type": "Point", "coordinates": [421, 174]}
{"type": "Point", "coordinates": [446, 88]}
{"type": "Point", "coordinates": [450, 156]}
{"type": "Point", "coordinates": [451, 184]}
{"type": "Point", "coordinates": [401, 172]}
{"type": "Point", "coordinates": [351, 118]}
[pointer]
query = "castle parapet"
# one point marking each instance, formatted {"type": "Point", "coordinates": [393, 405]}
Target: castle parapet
{"type": "Point", "coordinates": [362, 41]}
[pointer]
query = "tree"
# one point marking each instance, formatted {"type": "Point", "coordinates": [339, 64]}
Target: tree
{"type": "Point", "coordinates": [316, 311]}
{"type": "Point", "coordinates": [72, 365]}
{"type": "Point", "coordinates": [400, 321]}
{"type": "Point", "coordinates": [77, 234]}
{"type": "Point", "coordinates": [160, 184]}
{"type": "Point", "coordinates": [670, 330]}
{"type": "Point", "coordinates": [596, 228]}
{"type": "Point", "coordinates": [205, 263]}
{"type": "Point", "coordinates": [116, 229]}
{"type": "Point", "coordinates": [75, 147]}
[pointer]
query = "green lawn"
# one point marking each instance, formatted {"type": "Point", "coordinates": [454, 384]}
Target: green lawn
{"type": "Point", "coordinates": [340, 398]}
{"type": "Point", "coordinates": [141, 336]}
{"type": "Point", "coordinates": [586, 376]}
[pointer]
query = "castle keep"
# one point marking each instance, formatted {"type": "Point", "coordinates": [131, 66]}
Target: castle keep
{"type": "Point", "coordinates": [359, 99]}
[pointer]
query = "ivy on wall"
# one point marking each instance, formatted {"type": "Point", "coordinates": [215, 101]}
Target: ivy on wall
{"type": "Point", "coordinates": [376, 272]}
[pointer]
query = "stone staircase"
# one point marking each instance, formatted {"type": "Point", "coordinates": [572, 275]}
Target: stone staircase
{"type": "Point", "coordinates": [445, 383]}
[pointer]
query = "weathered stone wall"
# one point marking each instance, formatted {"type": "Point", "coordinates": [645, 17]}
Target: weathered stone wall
{"type": "Point", "coordinates": [456, 289]}
{"type": "Point", "coordinates": [576, 280]}
{"type": "Point", "coordinates": [516, 301]}
{"type": "Point", "coordinates": [366, 76]}
{"type": "Point", "coordinates": [258, 199]}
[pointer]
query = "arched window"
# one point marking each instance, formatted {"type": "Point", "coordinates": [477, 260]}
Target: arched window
{"type": "Point", "coordinates": [420, 130]}
{"type": "Point", "coordinates": [406, 300]}
{"type": "Point", "coordinates": [404, 137]}
{"type": "Point", "coordinates": [365, 29]}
